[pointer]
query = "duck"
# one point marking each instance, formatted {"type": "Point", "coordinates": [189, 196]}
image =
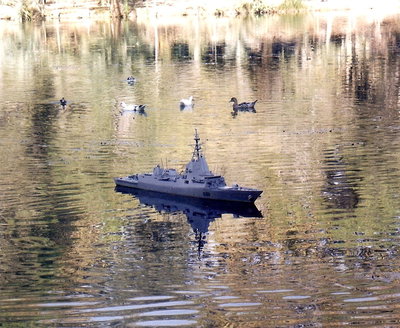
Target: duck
{"type": "Point", "coordinates": [132, 107]}
{"type": "Point", "coordinates": [141, 109]}
{"type": "Point", "coordinates": [243, 105]}
{"type": "Point", "coordinates": [130, 80]}
{"type": "Point", "coordinates": [186, 102]}
{"type": "Point", "coordinates": [63, 102]}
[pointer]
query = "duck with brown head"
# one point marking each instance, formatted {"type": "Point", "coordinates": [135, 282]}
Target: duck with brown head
{"type": "Point", "coordinates": [244, 106]}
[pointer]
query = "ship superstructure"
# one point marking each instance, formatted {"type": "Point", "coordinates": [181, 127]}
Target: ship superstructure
{"type": "Point", "coordinates": [196, 181]}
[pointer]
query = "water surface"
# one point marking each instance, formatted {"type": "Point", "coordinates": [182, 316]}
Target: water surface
{"type": "Point", "coordinates": [324, 146]}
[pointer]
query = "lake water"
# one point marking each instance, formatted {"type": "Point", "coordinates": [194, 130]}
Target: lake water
{"type": "Point", "coordinates": [321, 248]}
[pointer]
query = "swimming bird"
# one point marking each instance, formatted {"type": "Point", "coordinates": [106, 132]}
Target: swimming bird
{"type": "Point", "coordinates": [141, 109]}
{"type": "Point", "coordinates": [132, 107]}
{"type": "Point", "coordinates": [131, 80]}
{"type": "Point", "coordinates": [63, 102]}
{"type": "Point", "coordinates": [243, 105]}
{"type": "Point", "coordinates": [186, 102]}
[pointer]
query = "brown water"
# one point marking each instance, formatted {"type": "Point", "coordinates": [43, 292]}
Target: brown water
{"type": "Point", "coordinates": [324, 145]}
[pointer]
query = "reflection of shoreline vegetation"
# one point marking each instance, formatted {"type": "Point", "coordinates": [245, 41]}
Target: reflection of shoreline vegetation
{"type": "Point", "coordinates": [104, 9]}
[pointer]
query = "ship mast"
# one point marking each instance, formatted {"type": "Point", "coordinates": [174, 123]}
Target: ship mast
{"type": "Point", "coordinates": [197, 146]}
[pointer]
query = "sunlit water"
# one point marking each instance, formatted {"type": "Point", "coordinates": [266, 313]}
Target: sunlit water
{"type": "Point", "coordinates": [324, 146]}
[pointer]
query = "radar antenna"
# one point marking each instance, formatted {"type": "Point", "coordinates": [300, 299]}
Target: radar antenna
{"type": "Point", "coordinates": [197, 146]}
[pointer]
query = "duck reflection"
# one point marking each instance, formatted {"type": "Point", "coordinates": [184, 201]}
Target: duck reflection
{"type": "Point", "coordinates": [235, 112]}
{"type": "Point", "coordinates": [199, 212]}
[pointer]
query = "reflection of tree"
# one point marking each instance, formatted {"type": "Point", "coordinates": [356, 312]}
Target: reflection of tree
{"type": "Point", "coordinates": [180, 51]}
{"type": "Point", "coordinates": [38, 226]}
{"type": "Point", "coordinates": [214, 53]}
{"type": "Point", "coordinates": [359, 79]}
{"type": "Point", "coordinates": [283, 49]}
{"type": "Point", "coordinates": [364, 69]}
{"type": "Point", "coordinates": [37, 230]}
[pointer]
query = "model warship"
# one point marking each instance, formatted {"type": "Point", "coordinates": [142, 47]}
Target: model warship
{"type": "Point", "coordinates": [196, 181]}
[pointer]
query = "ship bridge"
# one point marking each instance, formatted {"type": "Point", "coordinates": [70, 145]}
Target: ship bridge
{"type": "Point", "coordinates": [198, 168]}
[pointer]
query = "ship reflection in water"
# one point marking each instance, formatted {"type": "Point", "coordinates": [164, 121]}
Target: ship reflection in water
{"type": "Point", "coordinates": [199, 212]}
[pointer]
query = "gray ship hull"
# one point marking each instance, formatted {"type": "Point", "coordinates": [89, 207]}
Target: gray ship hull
{"type": "Point", "coordinates": [195, 181]}
{"type": "Point", "coordinates": [186, 188]}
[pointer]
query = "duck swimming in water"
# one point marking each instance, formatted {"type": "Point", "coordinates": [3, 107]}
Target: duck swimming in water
{"type": "Point", "coordinates": [131, 80]}
{"type": "Point", "coordinates": [186, 102]}
{"type": "Point", "coordinates": [245, 106]}
{"type": "Point", "coordinates": [134, 108]}
{"type": "Point", "coordinates": [63, 102]}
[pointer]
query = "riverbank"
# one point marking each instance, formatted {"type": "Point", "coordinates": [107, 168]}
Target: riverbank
{"type": "Point", "coordinates": [234, 8]}
{"type": "Point", "coordinates": [102, 9]}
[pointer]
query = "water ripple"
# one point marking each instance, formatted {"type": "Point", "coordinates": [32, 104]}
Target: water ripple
{"type": "Point", "coordinates": [166, 323]}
